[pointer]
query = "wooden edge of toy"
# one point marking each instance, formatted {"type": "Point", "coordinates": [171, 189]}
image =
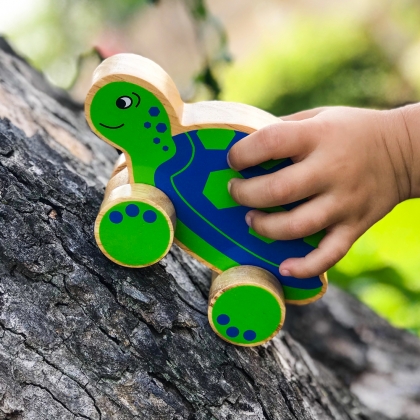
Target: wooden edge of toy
{"type": "Point", "coordinates": [324, 279]}
{"type": "Point", "coordinates": [197, 257]}
{"type": "Point", "coordinates": [141, 71]}
{"type": "Point", "coordinates": [143, 193]}
{"type": "Point", "coordinates": [120, 178]}
{"type": "Point", "coordinates": [246, 275]}
{"type": "Point", "coordinates": [222, 114]}
{"type": "Point", "coordinates": [120, 164]}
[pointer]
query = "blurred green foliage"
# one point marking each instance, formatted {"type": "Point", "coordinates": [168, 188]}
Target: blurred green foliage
{"type": "Point", "coordinates": [383, 267]}
{"type": "Point", "coordinates": [341, 65]}
{"type": "Point", "coordinates": [63, 32]}
{"type": "Point", "coordinates": [310, 60]}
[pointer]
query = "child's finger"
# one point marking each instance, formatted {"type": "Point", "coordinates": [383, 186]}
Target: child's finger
{"type": "Point", "coordinates": [304, 220]}
{"type": "Point", "coordinates": [288, 185]}
{"type": "Point", "coordinates": [333, 247]}
{"type": "Point", "coordinates": [282, 140]}
{"type": "Point", "coordinates": [304, 115]}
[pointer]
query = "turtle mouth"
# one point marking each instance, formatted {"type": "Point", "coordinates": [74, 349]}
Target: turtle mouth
{"type": "Point", "coordinates": [110, 127]}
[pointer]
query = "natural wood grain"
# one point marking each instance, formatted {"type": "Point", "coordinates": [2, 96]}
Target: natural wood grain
{"type": "Point", "coordinates": [324, 279]}
{"type": "Point", "coordinates": [118, 178]}
{"type": "Point", "coordinates": [120, 164]}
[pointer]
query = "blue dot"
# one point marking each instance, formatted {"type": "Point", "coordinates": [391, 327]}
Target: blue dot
{"type": "Point", "coordinates": [232, 332]}
{"type": "Point", "coordinates": [156, 140]}
{"type": "Point", "coordinates": [250, 335]}
{"type": "Point", "coordinates": [132, 210]}
{"type": "Point", "coordinates": [165, 148]}
{"type": "Point", "coordinates": [154, 111]}
{"type": "Point", "coordinates": [149, 216]}
{"type": "Point", "coordinates": [223, 319]}
{"type": "Point", "coordinates": [116, 217]}
{"type": "Point", "coordinates": [161, 127]}
{"type": "Point", "coordinates": [147, 124]}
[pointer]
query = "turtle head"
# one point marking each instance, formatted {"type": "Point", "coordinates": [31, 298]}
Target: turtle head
{"type": "Point", "coordinates": [134, 120]}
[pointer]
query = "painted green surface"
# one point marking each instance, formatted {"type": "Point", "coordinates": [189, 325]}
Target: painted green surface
{"type": "Point", "coordinates": [216, 188]}
{"type": "Point", "coordinates": [249, 308]}
{"type": "Point", "coordinates": [291, 293]}
{"type": "Point", "coordinates": [263, 238]}
{"type": "Point", "coordinates": [204, 250]}
{"type": "Point", "coordinates": [271, 163]}
{"type": "Point", "coordinates": [315, 239]}
{"type": "Point", "coordinates": [215, 138]}
{"type": "Point", "coordinates": [134, 241]}
{"type": "Point", "coordinates": [147, 147]}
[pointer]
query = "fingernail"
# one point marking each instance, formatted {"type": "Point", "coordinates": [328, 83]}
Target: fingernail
{"type": "Point", "coordinates": [285, 273]}
{"type": "Point", "coordinates": [228, 161]}
{"type": "Point", "coordinates": [229, 185]}
{"type": "Point", "coordinates": [248, 219]}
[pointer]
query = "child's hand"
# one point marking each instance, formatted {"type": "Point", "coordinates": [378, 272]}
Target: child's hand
{"type": "Point", "coordinates": [354, 165]}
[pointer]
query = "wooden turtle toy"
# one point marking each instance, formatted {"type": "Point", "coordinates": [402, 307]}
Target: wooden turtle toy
{"type": "Point", "coordinates": [170, 184]}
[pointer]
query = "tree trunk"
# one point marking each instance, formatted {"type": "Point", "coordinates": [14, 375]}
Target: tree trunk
{"type": "Point", "coordinates": [81, 337]}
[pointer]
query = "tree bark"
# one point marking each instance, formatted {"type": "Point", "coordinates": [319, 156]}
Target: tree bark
{"type": "Point", "coordinates": [83, 338]}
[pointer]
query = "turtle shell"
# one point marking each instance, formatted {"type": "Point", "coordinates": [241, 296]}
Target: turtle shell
{"type": "Point", "coordinates": [211, 225]}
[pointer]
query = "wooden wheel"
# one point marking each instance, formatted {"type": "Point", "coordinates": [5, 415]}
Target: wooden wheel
{"type": "Point", "coordinates": [246, 306]}
{"type": "Point", "coordinates": [135, 226]}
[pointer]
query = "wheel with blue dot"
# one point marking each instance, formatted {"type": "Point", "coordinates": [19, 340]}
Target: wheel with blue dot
{"type": "Point", "coordinates": [246, 306]}
{"type": "Point", "coordinates": [135, 226]}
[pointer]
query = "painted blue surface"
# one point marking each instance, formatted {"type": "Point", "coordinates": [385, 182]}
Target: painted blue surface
{"type": "Point", "coordinates": [161, 127]}
{"type": "Point", "coordinates": [154, 111]}
{"type": "Point", "coordinates": [116, 217]}
{"type": "Point", "coordinates": [223, 319]}
{"type": "Point", "coordinates": [250, 335]}
{"type": "Point", "coordinates": [233, 239]}
{"type": "Point", "coordinates": [232, 332]}
{"type": "Point", "coordinates": [132, 210]}
{"type": "Point", "coordinates": [149, 216]}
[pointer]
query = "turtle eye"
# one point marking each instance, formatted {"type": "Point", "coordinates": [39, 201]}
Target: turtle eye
{"type": "Point", "coordinates": [124, 102]}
